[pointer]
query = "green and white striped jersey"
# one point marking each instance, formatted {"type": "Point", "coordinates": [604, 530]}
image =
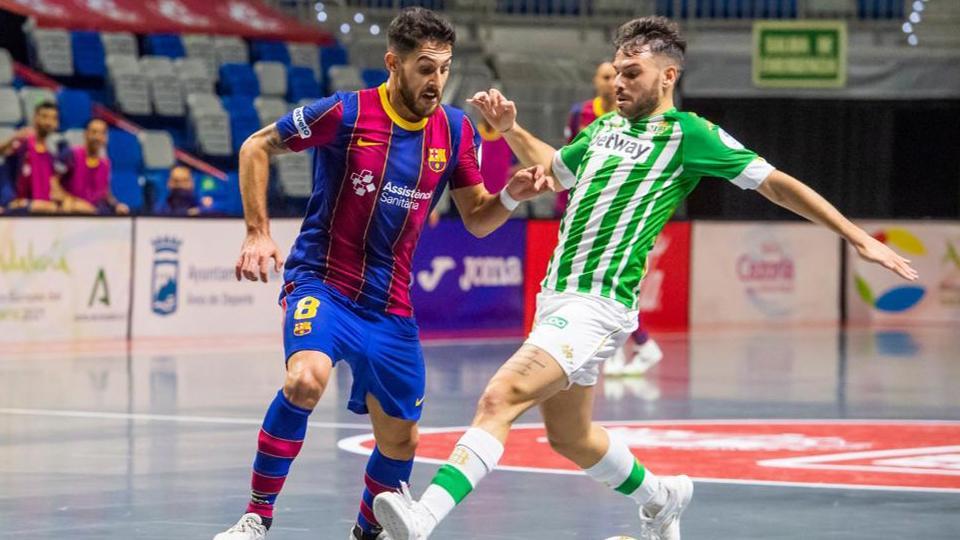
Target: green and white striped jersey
{"type": "Point", "coordinates": [626, 179]}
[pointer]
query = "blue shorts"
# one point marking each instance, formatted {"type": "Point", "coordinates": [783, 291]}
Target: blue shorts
{"type": "Point", "coordinates": [383, 350]}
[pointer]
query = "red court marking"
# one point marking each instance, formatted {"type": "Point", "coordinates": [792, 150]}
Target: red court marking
{"type": "Point", "coordinates": [843, 453]}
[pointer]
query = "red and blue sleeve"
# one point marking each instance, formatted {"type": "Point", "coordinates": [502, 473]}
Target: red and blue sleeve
{"type": "Point", "coordinates": [467, 171]}
{"type": "Point", "coordinates": [312, 125]}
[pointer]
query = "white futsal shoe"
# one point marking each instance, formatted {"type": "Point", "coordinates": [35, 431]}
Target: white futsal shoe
{"type": "Point", "coordinates": [250, 527]}
{"type": "Point", "coordinates": [645, 357]}
{"type": "Point", "coordinates": [664, 523]}
{"type": "Point", "coordinates": [401, 517]}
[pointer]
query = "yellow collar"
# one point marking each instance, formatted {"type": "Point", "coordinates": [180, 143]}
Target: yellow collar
{"type": "Point", "coordinates": [598, 107]}
{"type": "Point", "coordinates": [395, 116]}
{"type": "Point", "coordinates": [487, 134]}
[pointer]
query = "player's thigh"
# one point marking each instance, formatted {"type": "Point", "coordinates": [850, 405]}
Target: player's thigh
{"type": "Point", "coordinates": [530, 376]}
{"type": "Point", "coordinates": [568, 415]}
{"type": "Point", "coordinates": [393, 367]}
{"type": "Point", "coordinates": [396, 437]}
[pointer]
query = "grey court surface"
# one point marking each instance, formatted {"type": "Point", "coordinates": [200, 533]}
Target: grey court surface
{"type": "Point", "coordinates": [157, 443]}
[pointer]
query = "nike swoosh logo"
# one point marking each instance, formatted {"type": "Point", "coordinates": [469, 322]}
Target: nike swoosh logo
{"type": "Point", "coordinates": [420, 402]}
{"type": "Point", "coordinates": [362, 142]}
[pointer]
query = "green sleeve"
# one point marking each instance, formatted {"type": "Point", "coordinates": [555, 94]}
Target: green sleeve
{"type": "Point", "coordinates": [567, 160]}
{"type": "Point", "coordinates": [708, 150]}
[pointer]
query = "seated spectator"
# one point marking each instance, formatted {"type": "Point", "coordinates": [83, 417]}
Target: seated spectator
{"type": "Point", "coordinates": [36, 185]}
{"type": "Point", "coordinates": [181, 195]}
{"type": "Point", "coordinates": [87, 174]}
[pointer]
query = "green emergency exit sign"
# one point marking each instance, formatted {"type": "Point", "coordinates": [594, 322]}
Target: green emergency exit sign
{"type": "Point", "coordinates": [800, 54]}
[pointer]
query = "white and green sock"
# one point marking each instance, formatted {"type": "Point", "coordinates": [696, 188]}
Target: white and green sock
{"type": "Point", "coordinates": [476, 454]}
{"type": "Point", "coordinates": [621, 471]}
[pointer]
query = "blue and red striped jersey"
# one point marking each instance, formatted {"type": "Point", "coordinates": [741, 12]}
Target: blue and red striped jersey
{"type": "Point", "coordinates": [376, 177]}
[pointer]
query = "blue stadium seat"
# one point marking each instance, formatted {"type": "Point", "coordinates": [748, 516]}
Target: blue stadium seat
{"type": "Point", "coordinates": [124, 151]}
{"type": "Point", "coordinates": [88, 54]}
{"type": "Point", "coordinates": [164, 45]}
{"type": "Point", "coordinates": [374, 77]}
{"type": "Point", "coordinates": [239, 79]}
{"type": "Point", "coordinates": [75, 108]}
{"type": "Point", "coordinates": [270, 51]}
{"type": "Point", "coordinates": [126, 187]}
{"type": "Point", "coordinates": [334, 55]}
{"type": "Point", "coordinates": [225, 193]}
{"type": "Point", "coordinates": [244, 120]}
{"type": "Point", "coordinates": [301, 84]}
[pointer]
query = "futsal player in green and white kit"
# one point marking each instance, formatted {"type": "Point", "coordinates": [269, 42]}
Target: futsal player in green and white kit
{"type": "Point", "coordinates": [627, 172]}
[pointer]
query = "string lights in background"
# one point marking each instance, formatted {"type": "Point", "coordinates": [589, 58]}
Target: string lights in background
{"type": "Point", "coordinates": [913, 21]}
{"type": "Point", "coordinates": [358, 19]}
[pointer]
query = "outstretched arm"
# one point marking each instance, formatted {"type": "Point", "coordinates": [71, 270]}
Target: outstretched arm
{"type": "Point", "coordinates": [794, 195]}
{"type": "Point", "coordinates": [483, 213]}
{"type": "Point", "coordinates": [258, 247]}
{"type": "Point", "coordinates": [501, 113]}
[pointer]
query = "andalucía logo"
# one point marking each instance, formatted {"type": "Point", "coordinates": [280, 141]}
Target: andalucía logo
{"type": "Point", "coordinates": [166, 273]}
{"type": "Point", "coordinates": [901, 297]}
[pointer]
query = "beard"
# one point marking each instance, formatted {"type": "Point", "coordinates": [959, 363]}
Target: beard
{"type": "Point", "coordinates": [410, 101]}
{"type": "Point", "coordinates": [641, 107]}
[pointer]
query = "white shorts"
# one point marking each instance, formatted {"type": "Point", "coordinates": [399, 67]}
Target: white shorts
{"type": "Point", "coordinates": [580, 332]}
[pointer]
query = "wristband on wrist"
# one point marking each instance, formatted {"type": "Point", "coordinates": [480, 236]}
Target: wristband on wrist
{"type": "Point", "coordinates": [507, 201]}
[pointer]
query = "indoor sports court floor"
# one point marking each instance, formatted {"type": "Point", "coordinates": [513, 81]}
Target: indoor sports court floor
{"type": "Point", "coordinates": [157, 444]}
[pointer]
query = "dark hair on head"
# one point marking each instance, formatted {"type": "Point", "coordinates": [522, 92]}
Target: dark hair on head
{"type": "Point", "coordinates": [45, 104]}
{"type": "Point", "coordinates": [416, 25]}
{"type": "Point", "coordinates": [658, 34]}
{"type": "Point", "coordinates": [95, 119]}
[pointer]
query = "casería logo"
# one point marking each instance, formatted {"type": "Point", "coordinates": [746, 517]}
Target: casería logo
{"type": "Point", "coordinates": [900, 298]}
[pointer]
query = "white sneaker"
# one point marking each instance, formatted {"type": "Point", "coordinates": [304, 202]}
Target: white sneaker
{"type": "Point", "coordinates": [614, 365]}
{"type": "Point", "coordinates": [665, 523]}
{"type": "Point", "coordinates": [401, 517]}
{"type": "Point", "coordinates": [645, 357]}
{"type": "Point", "coordinates": [250, 527]}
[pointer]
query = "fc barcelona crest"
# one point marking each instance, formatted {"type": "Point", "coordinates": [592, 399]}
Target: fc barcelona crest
{"type": "Point", "coordinates": [437, 159]}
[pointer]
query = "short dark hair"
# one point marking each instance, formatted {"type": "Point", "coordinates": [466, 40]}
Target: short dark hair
{"type": "Point", "coordinates": [416, 25]}
{"type": "Point", "coordinates": [659, 34]}
{"type": "Point", "coordinates": [95, 119]}
{"type": "Point", "coordinates": [45, 104]}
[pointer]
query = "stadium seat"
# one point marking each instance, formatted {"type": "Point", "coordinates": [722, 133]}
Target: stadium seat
{"type": "Point", "coordinates": [272, 77]}
{"type": "Point", "coordinates": [199, 105]}
{"type": "Point", "coordinates": [334, 55]}
{"type": "Point", "coordinates": [201, 47]}
{"type": "Point", "coordinates": [126, 187]}
{"type": "Point", "coordinates": [195, 78]}
{"type": "Point", "coordinates": [74, 137]}
{"type": "Point", "coordinates": [6, 68]}
{"type": "Point", "coordinates": [239, 79]}
{"type": "Point", "coordinates": [52, 51]}
{"type": "Point", "coordinates": [11, 110]}
{"type": "Point", "coordinates": [169, 45]}
{"type": "Point", "coordinates": [158, 150]}
{"type": "Point", "coordinates": [213, 135]}
{"type": "Point", "coordinates": [270, 109]}
{"type": "Point", "coordinates": [165, 90]}
{"type": "Point", "coordinates": [126, 161]}
{"type": "Point", "coordinates": [345, 79]}
{"type": "Point", "coordinates": [88, 54]}
{"type": "Point", "coordinates": [374, 77]}
{"type": "Point", "coordinates": [295, 175]}
{"type": "Point", "coordinates": [131, 89]}
{"type": "Point", "coordinates": [230, 50]}
{"type": "Point", "coordinates": [269, 51]}
{"type": "Point", "coordinates": [75, 108]}
{"type": "Point", "coordinates": [5, 133]}
{"type": "Point", "coordinates": [31, 96]}
{"type": "Point", "coordinates": [301, 84]}
{"type": "Point", "coordinates": [119, 44]}
{"type": "Point", "coordinates": [305, 55]}
{"type": "Point", "coordinates": [244, 119]}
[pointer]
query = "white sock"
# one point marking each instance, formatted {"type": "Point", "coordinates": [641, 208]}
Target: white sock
{"type": "Point", "coordinates": [475, 455]}
{"type": "Point", "coordinates": [619, 470]}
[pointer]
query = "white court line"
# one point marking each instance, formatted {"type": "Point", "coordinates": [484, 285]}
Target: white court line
{"type": "Point", "coordinates": [822, 462]}
{"type": "Point", "coordinates": [183, 419]}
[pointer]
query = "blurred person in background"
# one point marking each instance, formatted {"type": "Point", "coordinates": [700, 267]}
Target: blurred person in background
{"type": "Point", "coordinates": [182, 197]}
{"type": "Point", "coordinates": [87, 174]}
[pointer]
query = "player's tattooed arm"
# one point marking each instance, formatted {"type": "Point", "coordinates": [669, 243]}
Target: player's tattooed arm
{"type": "Point", "coordinates": [258, 248]}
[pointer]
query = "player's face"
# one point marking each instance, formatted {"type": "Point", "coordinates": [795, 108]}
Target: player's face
{"type": "Point", "coordinates": [422, 74]}
{"type": "Point", "coordinates": [46, 121]}
{"type": "Point", "coordinates": [603, 81]}
{"type": "Point", "coordinates": [96, 135]}
{"type": "Point", "coordinates": [641, 83]}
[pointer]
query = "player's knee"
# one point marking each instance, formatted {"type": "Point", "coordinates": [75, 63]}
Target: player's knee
{"type": "Point", "coordinates": [501, 397]}
{"type": "Point", "coordinates": [564, 444]}
{"type": "Point", "coordinates": [304, 387]}
{"type": "Point", "coordinates": [400, 446]}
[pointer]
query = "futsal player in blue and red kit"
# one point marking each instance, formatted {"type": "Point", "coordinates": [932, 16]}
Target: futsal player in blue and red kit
{"type": "Point", "coordinates": [382, 156]}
